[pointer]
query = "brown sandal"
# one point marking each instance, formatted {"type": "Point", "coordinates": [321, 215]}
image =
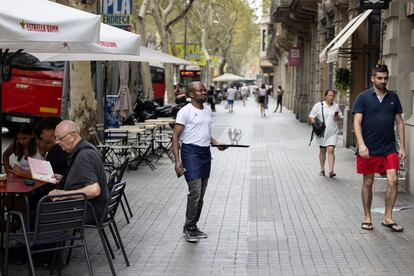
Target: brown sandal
{"type": "Point", "coordinates": [322, 173]}
{"type": "Point", "coordinates": [332, 174]}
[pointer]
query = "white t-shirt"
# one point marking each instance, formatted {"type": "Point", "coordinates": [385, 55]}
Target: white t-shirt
{"type": "Point", "coordinates": [231, 94]}
{"type": "Point", "coordinates": [262, 92]}
{"type": "Point", "coordinates": [244, 90]}
{"type": "Point", "coordinates": [197, 125]}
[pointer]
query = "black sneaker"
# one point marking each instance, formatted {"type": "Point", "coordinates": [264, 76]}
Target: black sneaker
{"type": "Point", "coordinates": [190, 235]}
{"type": "Point", "coordinates": [200, 234]}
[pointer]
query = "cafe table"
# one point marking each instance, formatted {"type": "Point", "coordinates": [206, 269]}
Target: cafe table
{"type": "Point", "coordinates": [16, 185]}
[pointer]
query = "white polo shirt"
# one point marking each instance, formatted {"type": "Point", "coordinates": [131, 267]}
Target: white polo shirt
{"type": "Point", "coordinates": [197, 125]}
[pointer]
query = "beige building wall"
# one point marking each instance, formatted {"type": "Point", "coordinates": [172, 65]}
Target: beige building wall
{"type": "Point", "coordinates": [398, 50]}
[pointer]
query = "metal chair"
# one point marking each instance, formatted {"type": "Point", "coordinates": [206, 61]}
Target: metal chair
{"type": "Point", "coordinates": [108, 219]}
{"type": "Point", "coordinates": [120, 175]}
{"type": "Point", "coordinates": [116, 176]}
{"type": "Point", "coordinates": [59, 219]}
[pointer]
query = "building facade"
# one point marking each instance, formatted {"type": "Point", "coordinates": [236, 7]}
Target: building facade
{"type": "Point", "coordinates": [294, 52]}
{"type": "Point", "coordinates": [337, 36]}
{"type": "Point", "coordinates": [265, 63]}
{"type": "Point", "coordinates": [398, 52]}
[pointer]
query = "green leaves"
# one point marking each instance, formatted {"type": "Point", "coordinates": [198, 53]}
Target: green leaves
{"type": "Point", "coordinates": [342, 78]}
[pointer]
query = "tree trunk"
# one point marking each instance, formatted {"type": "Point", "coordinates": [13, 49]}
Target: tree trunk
{"type": "Point", "coordinates": [169, 72]}
{"type": "Point", "coordinates": [169, 81]}
{"type": "Point", "coordinates": [221, 67]}
{"type": "Point", "coordinates": [206, 55]}
{"type": "Point", "coordinates": [83, 105]}
{"type": "Point", "coordinates": [82, 99]}
{"type": "Point", "coordinates": [147, 91]}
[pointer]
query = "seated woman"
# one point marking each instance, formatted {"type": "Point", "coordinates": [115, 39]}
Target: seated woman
{"type": "Point", "coordinates": [24, 145]}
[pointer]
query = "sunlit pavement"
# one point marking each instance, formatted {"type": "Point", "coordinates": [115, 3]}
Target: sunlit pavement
{"type": "Point", "coordinates": [266, 211]}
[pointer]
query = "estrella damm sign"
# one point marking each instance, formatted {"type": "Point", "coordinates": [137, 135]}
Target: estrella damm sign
{"type": "Point", "coordinates": [40, 28]}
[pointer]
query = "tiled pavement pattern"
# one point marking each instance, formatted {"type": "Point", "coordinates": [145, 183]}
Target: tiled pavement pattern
{"type": "Point", "coordinates": [266, 211]}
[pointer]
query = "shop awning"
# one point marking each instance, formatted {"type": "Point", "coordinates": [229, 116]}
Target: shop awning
{"type": "Point", "coordinates": [331, 50]}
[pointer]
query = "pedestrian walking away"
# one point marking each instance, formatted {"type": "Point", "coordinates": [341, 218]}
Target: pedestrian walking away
{"type": "Point", "coordinates": [211, 98]}
{"type": "Point", "coordinates": [244, 91]}
{"type": "Point", "coordinates": [329, 112]}
{"type": "Point", "coordinates": [376, 111]}
{"type": "Point", "coordinates": [231, 96]}
{"type": "Point", "coordinates": [192, 138]}
{"type": "Point", "coordinates": [261, 99]}
{"type": "Point", "coordinates": [279, 97]}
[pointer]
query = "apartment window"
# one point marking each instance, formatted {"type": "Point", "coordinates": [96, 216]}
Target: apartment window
{"type": "Point", "coordinates": [263, 40]}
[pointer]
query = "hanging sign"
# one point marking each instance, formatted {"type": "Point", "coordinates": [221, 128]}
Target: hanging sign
{"type": "Point", "coordinates": [410, 8]}
{"type": "Point", "coordinates": [374, 4]}
{"type": "Point", "coordinates": [294, 56]}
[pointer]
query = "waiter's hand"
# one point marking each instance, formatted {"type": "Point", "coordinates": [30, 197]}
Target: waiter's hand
{"type": "Point", "coordinates": [222, 147]}
{"type": "Point", "coordinates": [219, 145]}
{"type": "Point", "coordinates": [179, 169]}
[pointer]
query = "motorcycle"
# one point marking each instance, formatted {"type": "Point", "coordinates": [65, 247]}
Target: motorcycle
{"type": "Point", "coordinates": [148, 109]}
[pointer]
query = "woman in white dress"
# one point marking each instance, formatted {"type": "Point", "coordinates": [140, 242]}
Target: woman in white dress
{"type": "Point", "coordinates": [332, 115]}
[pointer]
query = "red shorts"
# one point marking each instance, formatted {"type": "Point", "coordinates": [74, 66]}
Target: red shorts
{"type": "Point", "coordinates": [377, 164]}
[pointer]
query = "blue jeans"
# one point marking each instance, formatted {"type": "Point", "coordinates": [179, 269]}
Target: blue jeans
{"type": "Point", "coordinates": [196, 191]}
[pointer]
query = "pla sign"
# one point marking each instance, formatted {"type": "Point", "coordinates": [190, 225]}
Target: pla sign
{"type": "Point", "coordinates": [117, 13]}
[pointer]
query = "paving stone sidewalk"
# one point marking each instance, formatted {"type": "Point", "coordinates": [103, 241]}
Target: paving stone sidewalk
{"type": "Point", "coordinates": [266, 211]}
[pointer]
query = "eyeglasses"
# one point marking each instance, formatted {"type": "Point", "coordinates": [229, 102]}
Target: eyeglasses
{"type": "Point", "coordinates": [60, 138]}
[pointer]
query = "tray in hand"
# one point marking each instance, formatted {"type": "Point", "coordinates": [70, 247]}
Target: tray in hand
{"type": "Point", "coordinates": [231, 146]}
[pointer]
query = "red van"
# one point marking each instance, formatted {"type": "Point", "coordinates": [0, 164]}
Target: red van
{"type": "Point", "coordinates": [32, 92]}
{"type": "Point", "coordinates": [158, 83]}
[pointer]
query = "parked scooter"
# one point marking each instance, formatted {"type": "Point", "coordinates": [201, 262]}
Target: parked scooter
{"type": "Point", "coordinates": [148, 109]}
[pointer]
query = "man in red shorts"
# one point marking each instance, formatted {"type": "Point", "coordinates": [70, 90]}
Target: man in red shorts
{"type": "Point", "coordinates": [376, 111]}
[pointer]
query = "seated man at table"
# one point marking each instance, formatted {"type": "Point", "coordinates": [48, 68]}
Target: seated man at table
{"type": "Point", "coordinates": [57, 157]}
{"type": "Point", "coordinates": [85, 172]}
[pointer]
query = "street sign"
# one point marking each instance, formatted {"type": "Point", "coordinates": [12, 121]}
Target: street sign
{"type": "Point", "coordinates": [117, 13]}
{"type": "Point", "coordinates": [374, 4]}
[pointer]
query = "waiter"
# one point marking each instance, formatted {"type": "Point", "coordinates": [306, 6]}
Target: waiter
{"type": "Point", "coordinates": [193, 131]}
